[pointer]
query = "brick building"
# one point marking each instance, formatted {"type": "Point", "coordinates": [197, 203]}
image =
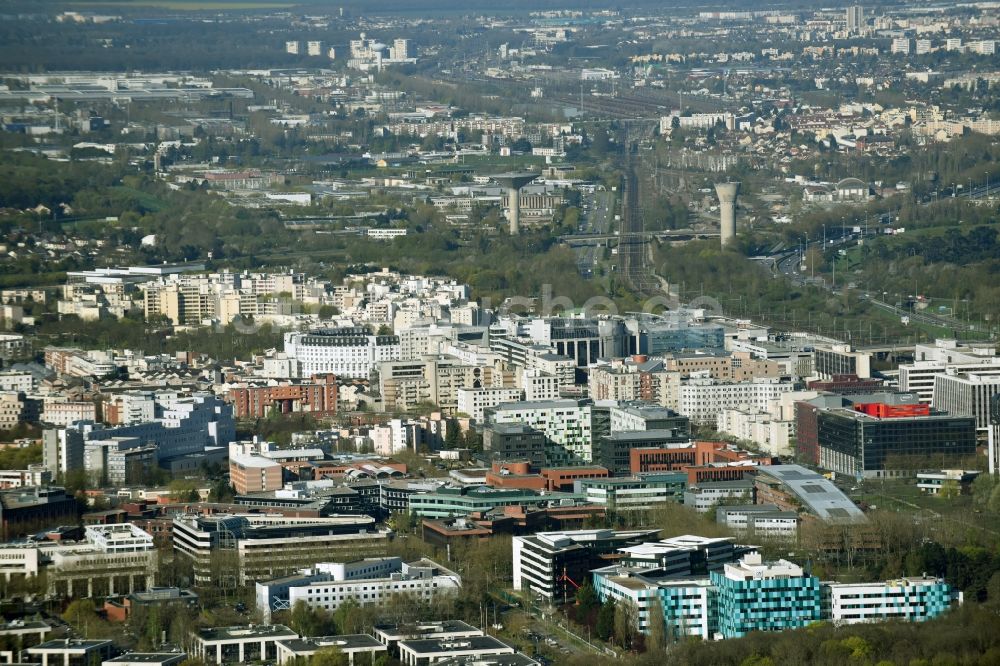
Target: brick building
{"type": "Point", "coordinates": [318, 396]}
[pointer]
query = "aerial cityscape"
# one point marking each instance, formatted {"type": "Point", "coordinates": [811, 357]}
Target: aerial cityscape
{"type": "Point", "coordinates": [381, 333]}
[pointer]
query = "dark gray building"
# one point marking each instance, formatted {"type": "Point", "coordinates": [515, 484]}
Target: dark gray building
{"type": "Point", "coordinates": [613, 450]}
{"type": "Point", "coordinates": [503, 441]}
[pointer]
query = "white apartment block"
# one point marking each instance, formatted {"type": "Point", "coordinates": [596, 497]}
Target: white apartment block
{"type": "Point", "coordinates": [539, 386]}
{"type": "Point", "coordinates": [63, 412]}
{"type": "Point", "coordinates": [566, 424]}
{"type": "Point", "coordinates": [394, 436]}
{"type": "Point", "coordinates": [984, 47]}
{"type": "Point", "coordinates": [11, 409]}
{"type": "Point", "coordinates": [475, 402]}
{"type": "Point", "coordinates": [346, 352]}
{"type": "Point", "coordinates": [703, 399]}
{"type": "Point", "coordinates": [314, 48]}
{"type": "Point", "coordinates": [19, 382]}
{"type": "Point", "coordinates": [900, 45]}
{"type": "Point", "coordinates": [759, 427]}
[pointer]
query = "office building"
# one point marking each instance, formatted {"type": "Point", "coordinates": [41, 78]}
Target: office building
{"type": "Point", "coordinates": [514, 441]}
{"type": "Point", "coordinates": [687, 555]}
{"type": "Point", "coordinates": [993, 437]}
{"type": "Point", "coordinates": [759, 521]}
{"type": "Point", "coordinates": [553, 564]}
{"type": "Point", "coordinates": [931, 360]}
{"type": "Point", "coordinates": [629, 417]}
{"type": "Point", "coordinates": [966, 394]}
{"type": "Point", "coordinates": [454, 502]}
{"type": "Point", "coordinates": [183, 426]}
{"type": "Point", "coordinates": [35, 475]}
{"type": "Point", "coordinates": [638, 493]}
{"type": "Point", "coordinates": [878, 443]}
{"type": "Point", "coordinates": [687, 604]}
{"type": "Point", "coordinates": [72, 652]}
{"type": "Point", "coordinates": [296, 650]}
{"type": "Point", "coordinates": [109, 560]}
{"type": "Point", "coordinates": [704, 497]}
{"type": "Point", "coordinates": [390, 635]}
{"type": "Point", "coordinates": [232, 550]}
{"type": "Point", "coordinates": [25, 511]}
{"type": "Point", "coordinates": [367, 582]}
{"type": "Point", "coordinates": [947, 482]}
{"type": "Point", "coordinates": [684, 330]}
{"type": "Point", "coordinates": [479, 649]}
{"type": "Point", "coordinates": [614, 451]}
{"type": "Point", "coordinates": [881, 434]}
{"type": "Point", "coordinates": [754, 595]}
{"type": "Point", "coordinates": [241, 644]}
{"type": "Point", "coordinates": [912, 599]}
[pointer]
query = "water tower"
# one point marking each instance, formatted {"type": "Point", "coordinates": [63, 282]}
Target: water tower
{"type": "Point", "coordinates": [513, 182]}
{"type": "Point", "coordinates": [727, 193]}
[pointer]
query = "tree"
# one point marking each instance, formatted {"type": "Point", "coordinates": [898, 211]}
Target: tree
{"type": "Point", "coordinates": [656, 643]}
{"type": "Point", "coordinates": [330, 656]}
{"type": "Point", "coordinates": [346, 617]}
{"type": "Point", "coordinates": [606, 620]}
{"type": "Point", "coordinates": [304, 620]}
{"type": "Point", "coordinates": [586, 598]}
{"type": "Point", "coordinates": [626, 622]}
{"type": "Point", "coordinates": [84, 618]}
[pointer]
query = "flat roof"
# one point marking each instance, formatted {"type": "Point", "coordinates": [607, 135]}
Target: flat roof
{"type": "Point", "coordinates": [147, 658]}
{"type": "Point", "coordinates": [516, 659]}
{"type": "Point", "coordinates": [424, 628]}
{"type": "Point", "coordinates": [345, 642]}
{"type": "Point", "coordinates": [252, 632]}
{"type": "Point", "coordinates": [69, 644]}
{"type": "Point", "coordinates": [20, 625]}
{"type": "Point", "coordinates": [643, 435]}
{"type": "Point", "coordinates": [438, 645]}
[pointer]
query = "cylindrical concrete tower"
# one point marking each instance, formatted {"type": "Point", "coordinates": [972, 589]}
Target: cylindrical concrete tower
{"type": "Point", "coordinates": [727, 193]}
{"type": "Point", "coordinates": [513, 182]}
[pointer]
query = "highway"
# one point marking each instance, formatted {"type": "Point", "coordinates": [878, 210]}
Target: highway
{"type": "Point", "coordinates": [595, 218]}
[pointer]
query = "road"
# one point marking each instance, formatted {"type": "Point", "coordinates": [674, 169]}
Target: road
{"type": "Point", "coordinates": [595, 217]}
{"type": "Point", "coordinates": [786, 263]}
